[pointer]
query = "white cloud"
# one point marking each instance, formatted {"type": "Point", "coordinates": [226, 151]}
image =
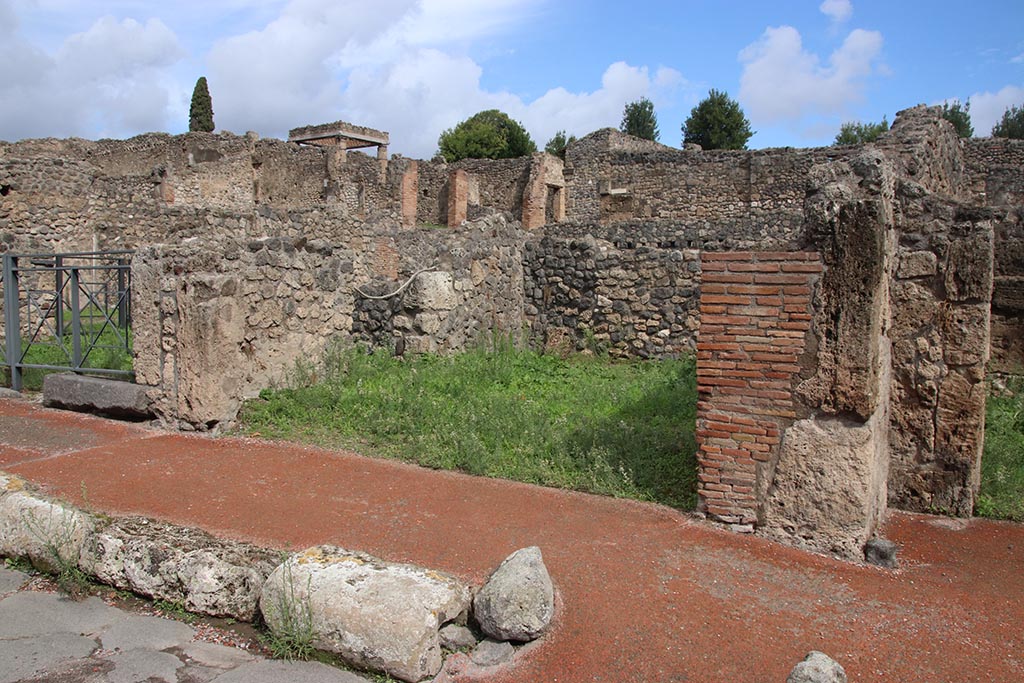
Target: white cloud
{"type": "Point", "coordinates": [397, 69]}
{"type": "Point", "coordinates": [427, 91]}
{"type": "Point", "coordinates": [987, 108]}
{"type": "Point", "coordinates": [399, 65]}
{"type": "Point", "coordinates": [111, 73]}
{"type": "Point", "coordinates": [784, 83]}
{"type": "Point", "coordinates": [837, 10]}
{"type": "Point", "coordinates": [1019, 59]}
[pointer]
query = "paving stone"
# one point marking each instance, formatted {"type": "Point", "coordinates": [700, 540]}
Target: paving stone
{"type": "Point", "coordinates": [216, 656]}
{"type": "Point", "coordinates": [273, 671]}
{"type": "Point", "coordinates": [151, 633]}
{"type": "Point", "coordinates": [30, 613]}
{"type": "Point", "coordinates": [11, 580]}
{"type": "Point", "coordinates": [144, 665]}
{"type": "Point", "coordinates": [22, 658]}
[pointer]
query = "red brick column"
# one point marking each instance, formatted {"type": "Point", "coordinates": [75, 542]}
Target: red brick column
{"type": "Point", "coordinates": [755, 312]}
{"type": "Point", "coordinates": [458, 197]}
{"type": "Point", "coordinates": [410, 194]}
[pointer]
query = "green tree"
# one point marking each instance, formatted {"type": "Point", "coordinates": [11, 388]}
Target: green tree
{"type": "Point", "coordinates": [1011, 125]}
{"type": "Point", "coordinates": [856, 133]}
{"type": "Point", "coordinates": [557, 144]}
{"type": "Point", "coordinates": [488, 134]}
{"type": "Point", "coordinates": [639, 120]}
{"type": "Point", "coordinates": [960, 116]}
{"type": "Point", "coordinates": [717, 122]}
{"type": "Point", "coordinates": [200, 114]}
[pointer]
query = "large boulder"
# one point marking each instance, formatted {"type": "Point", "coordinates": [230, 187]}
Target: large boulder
{"type": "Point", "coordinates": [187, 566]}
{"type": "Point", "coordinates": [517, 602]}
{"type": "Point", "coordinates": [49, 533]}
{"type": "Point", "coordinates": [817, 667]}
{"type": "Point", "coordinates": [374, 614]}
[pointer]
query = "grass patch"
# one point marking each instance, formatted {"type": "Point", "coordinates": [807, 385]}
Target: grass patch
{"type": "Point", "coordinates": [1002, 462]}
{"type": "Point", "coordinates": [583, 423]}
{"type": "Point", "coordinates": [108, 352]}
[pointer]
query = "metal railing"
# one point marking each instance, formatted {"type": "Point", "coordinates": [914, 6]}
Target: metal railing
{"type": "Point", "coordinates": [77, 304]}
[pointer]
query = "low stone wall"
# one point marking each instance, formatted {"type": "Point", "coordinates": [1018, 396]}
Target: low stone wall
{"type": "Point", "coordinates": [216, 321]}
{"type": "Point", "coordinates": [632, 303]}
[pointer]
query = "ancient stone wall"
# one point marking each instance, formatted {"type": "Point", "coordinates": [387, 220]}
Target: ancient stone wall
{"type": "Point", "coordinates": [218, 319]}
{"type": "Point", "coordinates": [996, 171]}
{"type": "Point", "coordinates": [493, 185]}
{"type": "Point", "coordinates": [887, 405]}
{"type": "Point", "coordinates": [267, 242]}
{"type": "Point", "coordinates": [631, 302]}
{"type": "Point", "coordinates": [706, 194]}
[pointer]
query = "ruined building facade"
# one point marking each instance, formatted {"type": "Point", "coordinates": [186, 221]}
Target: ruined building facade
{"type": "Point", "coordinates": [844, 303]}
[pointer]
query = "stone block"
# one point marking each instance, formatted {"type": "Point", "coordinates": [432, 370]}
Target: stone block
{"type": "Point", "coordinates": [917, 264]}
{"type": "Point", "coordinates": [968, 271]}
{"type": "Point", "coordinates": [97, 395]}
{"type": "Point", "coordinates": [880, 552]}
{"type": "Point", "coordinates": [164, 561]}
{"type": "Point", "coordinates": [432, 291]}
{"type": "Point", "coordinates": [829, 488]}
{"type": "Point", "coordinates": [48, 533]}
{"type": "Point", "coordinates": [374, 614]}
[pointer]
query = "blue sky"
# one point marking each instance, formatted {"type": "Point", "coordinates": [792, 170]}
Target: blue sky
{"type": "Point", "coordinates": [115, 68]}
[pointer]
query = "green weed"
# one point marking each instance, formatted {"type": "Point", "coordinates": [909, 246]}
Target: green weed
{"type": "Point", "coordinates": [176, 610]}
{"type": "Point", "coordinates": [585, 423]}
{"type": "Point", "coordinates": [292, 639]}
{"type": "Point", "coordinates": [19, 564]}
{"type": "Point", "coordinates": [1002, 463]}
{"type": "Point", "coordinates": [56, 534]}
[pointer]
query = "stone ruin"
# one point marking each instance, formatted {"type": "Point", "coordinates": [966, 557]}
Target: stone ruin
{"type": "Point", "coordinates": [844, 303]}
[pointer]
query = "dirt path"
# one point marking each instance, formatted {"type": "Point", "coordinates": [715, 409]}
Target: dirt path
{"type": "Point", "coordinates": [646, 593]}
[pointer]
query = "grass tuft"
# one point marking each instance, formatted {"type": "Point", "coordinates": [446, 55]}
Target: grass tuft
{"type": "Point", "coordinates": [1002, 462]}
{"type": "Point", "coordinates": [583, 423]}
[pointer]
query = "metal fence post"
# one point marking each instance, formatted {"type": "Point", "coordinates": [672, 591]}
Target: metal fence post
{"type": "Point", "coordinates": [12, 325]}
{"type": "Point", "coordinates": [76, 322]}
{"type": "Point", "coordinates": [58, 283]}
{"type": "Point", "coordinates": [122, 299]}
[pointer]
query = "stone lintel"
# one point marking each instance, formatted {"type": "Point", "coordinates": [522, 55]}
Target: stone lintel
{"type": "Point", "coordinates": [352, 136]}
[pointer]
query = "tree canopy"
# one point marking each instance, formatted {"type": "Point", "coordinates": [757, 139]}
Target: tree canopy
{"type": "Point", "coordinates": [717, 122]}
{"type": "Point", "coordinates": [200, 114]}
{"type": "Point", "coordinates": [489, 134]}
{"type": "Point", "coordinates": [856, 133]}
{"type": "Point", "coordinates": [557, 144]}
{"type": "Point", "coordinates": [639, 120]}
{"type": "Point", "coordinates": [960, 116]}
{"type": "Point", "coordinates": [1011, 125]}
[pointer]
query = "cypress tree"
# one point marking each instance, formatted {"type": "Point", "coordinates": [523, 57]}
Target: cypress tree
{"type": "Point", "coordinates": [200, 114]}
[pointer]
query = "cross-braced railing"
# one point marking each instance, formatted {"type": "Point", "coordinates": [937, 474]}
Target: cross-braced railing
{"type": "Point", "coordinates": [67, 312]}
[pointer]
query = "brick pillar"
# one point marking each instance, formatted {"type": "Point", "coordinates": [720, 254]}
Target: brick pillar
{"type": "Point", "coordinates": [535, 197]}
{"type": "Point", "coordinates": [410, 194]}
{"type": "Point", "coordinates": [755, 313]}
{"type": "Point", "coordinates": [382, 159]}
{"type": "Point", "coordinates": [458, 197]}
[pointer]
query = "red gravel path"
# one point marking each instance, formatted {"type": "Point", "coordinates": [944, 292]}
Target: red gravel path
{"type": "Point", "coordinates": [646, 593]}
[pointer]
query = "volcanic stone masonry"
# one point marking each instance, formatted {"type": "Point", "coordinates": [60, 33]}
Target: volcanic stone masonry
{"type": "Point", "coordinates": [281, 247]}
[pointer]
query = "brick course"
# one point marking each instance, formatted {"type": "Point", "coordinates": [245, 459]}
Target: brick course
{"type": "Point", "coordinates": [755, 311]}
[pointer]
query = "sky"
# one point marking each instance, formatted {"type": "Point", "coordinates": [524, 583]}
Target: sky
{"type": "Point", "coordinates": [798, 68]}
